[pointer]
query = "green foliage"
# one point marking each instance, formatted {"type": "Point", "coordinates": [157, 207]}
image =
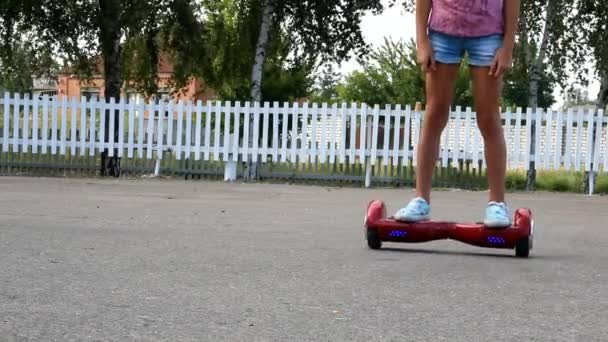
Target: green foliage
{"type": "Point", "coordinates": [24, 63]}
{"type": "Point", "coordinates": [560, 181]}
{"type": "Point", "coordinates": [231, 28]}
{"type": "Point", "coordinates": [516, 91]}
{"type": "Point", "coordinates": [601, 184]}
{"type": "Point", "coordinates": [516, 180]}
{"type": "Point", "coordinates": [393, 77]}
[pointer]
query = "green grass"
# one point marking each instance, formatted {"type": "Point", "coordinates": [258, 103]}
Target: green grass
{"type": "Point", "coordinates": [560, 181]}
{"type": "Point", "coordinates": [601, 184]}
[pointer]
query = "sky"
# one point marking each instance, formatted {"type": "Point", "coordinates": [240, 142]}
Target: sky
{"type": "Point", "coordinates": [395, 23]}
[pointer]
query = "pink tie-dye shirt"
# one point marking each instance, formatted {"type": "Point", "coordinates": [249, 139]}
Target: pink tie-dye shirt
{"type": "Point", "coordinates": [467, 18]}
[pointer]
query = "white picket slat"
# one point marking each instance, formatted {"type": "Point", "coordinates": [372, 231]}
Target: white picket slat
{"type": "Point", "coordinates": [416, 138]}
{"type": "Point", "coordinates": [285, 123]}
{"type": "Point", "coordinates": [295, 118]}
{"type": "Point", "coordinates": [188, 142]}
{"type": "Point", "coordinates": [226, 147]}
{"type": "Point", "coordinates": [131, 132]}
{"type": "Point", "coordinates": [140, 130]}
{"type": "Point", "coordinates": [112, 107]}
{"type": "Point", "coordinates": [64, 125]}
{"type": "Point", "coordinates": [363, 133]}
{"type": "Point", "coordinates": [83, 125]}
{"type": "Point", "coordinates": [179, 134]}
{"type": "Point", "coordinates": [528, 153]}
{"type": "Point", "coordinates": [35, 125]}
{"type": "Point", "coordinates": [304, 135]}
{"type": "Point", "coordinates": [152, 112]}
{"type": "Point", "coordinates": [26, 123]}
{"type": "Point", "coordinates": [54, 125]}
{"type": "Point", "coordinates": [353, 134]}
{"type": "Point", "coordinates": [590, 121]}
{"type": "Point", "coordinates": [557, 156]}
{"type": "Point", "coordinates": [73, 120]}
{"type": "Point", "coordinates": [539, 125]}
{"type": "Point", "coordinates": [121, 127]}
{"type": "Point", "coordinates": [275, 132]}
{"type": "Point", "coordinates": [475, 158]}
{"type": "Point", "coordinates": [246, 118]}
{"type": "Point", "coordinates": [313, 138]}
{"type": "Point", "coordinates": [387, 132]}
{"type": "Point", "coordinates": [323, 140]}
{"type": "Point", "coordinates": [406, 135]}
{"type": "Point", "coordinates": [199, 127]}
{"type": "Point", "coordinates": [375, 127]}
{"type": "Point", "coordinates": [332, 138]}
{"type": "Point", "coordinates": [265, 124]}
{"type": "Point", "coordinates": [343, 132]}
{"type": "Point", "coordinates": [256, 132]}
{"type": "Point", "coordinates": [569, 129]}
{"type": "Point", "coordinates": [207, 146]}
{"type": "Point", "coordinates": [579, 140]}
{"type": "Point", "coordinates": [396, 135]}
{"type": "Point", "coordinates": [598, 140]}
{"type": "Point", "coordinates": [548, 139]}
{"type": "Point", "coordinates": [218, 127]}
{"type": "Point", "coordinates": [517, 154]}
{"type": "Point", "coordinates": [7, 122]}
{"type": "Point", "coordinates": [467, 135]}
{"type": "Point", "coordinates": [456, 147]}
{"type": "Point", "coordinates": [92, 128]}
{"type": "Point", "coordinates": [160, 135]}
{"type": "Point", "coordinates": [237, 125]}
{"type": "Point", "coordinates": [16, 104]}
{"type": "Point", "coordinates": [605, 150]}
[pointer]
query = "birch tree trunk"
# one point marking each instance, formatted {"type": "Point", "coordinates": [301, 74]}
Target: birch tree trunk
{"type": "Point", "coordinates": [251, 172]}
{"type": "Point", "coordinates": [536, 66]}
{"type": "Point", "coordinates": [260, 51]}
{"type": "Point", "coordinates": [535, 69]}
{"type": "Point", "coordinates": [603, 95]}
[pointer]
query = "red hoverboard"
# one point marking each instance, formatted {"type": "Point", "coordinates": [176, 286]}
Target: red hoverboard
{"type": "Point", "coordinates": [379, 228]}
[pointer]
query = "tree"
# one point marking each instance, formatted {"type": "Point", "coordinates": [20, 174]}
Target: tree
{"type": "Point", "coordinates": [326, 89]}
{"type": "Point", "coordinates": [516, 92]}
{"type": "Point", "coordinates": [18, 71]}
{"type": "Point", "coordinates": [320, 29]}
{"type": "Point", "coordinates": [594, 30]}
{"type": "Point", "coordinates": [81, 32]}
{"type": "Point", "coordinates": [314, 30]}
{"type": "Point", "coordinates": [231, 31]}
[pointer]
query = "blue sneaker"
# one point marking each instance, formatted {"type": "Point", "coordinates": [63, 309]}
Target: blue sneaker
{"type": "Point", "coordinates": [497, 215]}
{"type": "Point", "coordinates": [417, 210]}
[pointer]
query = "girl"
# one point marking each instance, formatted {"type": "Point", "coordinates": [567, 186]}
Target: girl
{"type": "Point", "coordinates": [446, 29]}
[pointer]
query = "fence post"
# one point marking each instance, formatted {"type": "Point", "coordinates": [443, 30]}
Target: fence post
{"type": "Point", "coordinates": [368, 143]}
{"type": "Point", "coordinates": [531, 173]}
{"type": "Point", "coordinates": [230, 167]}
{"type": "Point", "coordinates": [590, 174]}
{"type": "Point", "coordinates": [157, 167]}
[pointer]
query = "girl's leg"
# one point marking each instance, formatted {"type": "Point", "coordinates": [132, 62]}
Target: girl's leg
{"type": "Point", "coordinates": [486, 91]}
{"type": "Point", "coordinates": [439, 89]}
{"type": "Point", "coordinates": [439, 94]}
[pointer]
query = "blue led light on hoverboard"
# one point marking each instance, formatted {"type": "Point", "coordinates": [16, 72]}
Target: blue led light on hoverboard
{"type": "Point", "coordinates": [496, 240]}
{"type": "Point", "coordinates": [397, 233]}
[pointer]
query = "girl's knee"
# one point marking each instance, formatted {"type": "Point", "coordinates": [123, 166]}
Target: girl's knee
{"type": "Point", "coordinates": [489, 125]}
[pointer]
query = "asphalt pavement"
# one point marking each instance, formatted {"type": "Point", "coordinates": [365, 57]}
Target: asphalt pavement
{"type": "Point", "coordinates": [165, 260]}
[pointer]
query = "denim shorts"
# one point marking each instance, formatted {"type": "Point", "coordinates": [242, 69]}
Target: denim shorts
{"type": "Point", "coordinates": [451, 49]}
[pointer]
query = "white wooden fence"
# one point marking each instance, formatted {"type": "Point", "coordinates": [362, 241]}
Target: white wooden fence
{"type": "Point", "coordinates": [295, 133]}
